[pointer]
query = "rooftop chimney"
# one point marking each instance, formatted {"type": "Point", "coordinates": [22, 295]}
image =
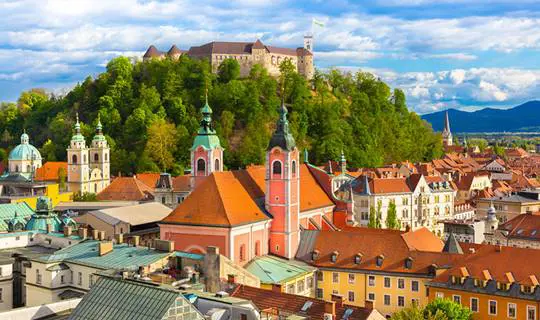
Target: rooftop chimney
{"type": "Point", "coordinates": [276, 287]}
{"type": "Point", "coordinates": [135, 241]}
{"type": "Point", "coordinates": [337, 298]}
{"type": "Point", "coordinates": [368, 304]}
{"type": "Point", "coordinates": [83, 233]}
{"type": "Point", "coordinates": [105, 247]}
{"type": "Point", "coordinates": [164, 245]}
{"type": "Point", "coordinates": [102, 235]}
{"type": "Point", "coordinates": [95, 234]}
{"type": "Point", "coordinates": [119, 238]}
{"type": "Point", "coordinates": [330, 308]}
{"type": "Point", "coordinates": [67, 231]}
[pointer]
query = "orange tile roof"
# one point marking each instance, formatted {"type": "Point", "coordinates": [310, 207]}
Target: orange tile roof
{"type": "Point", "coordinates": [290, 303]}
{"type": "Point", "coordinates": [423, 240]}
{"type": "Point", "coordinates": [498, 262]}
{"type": "Point", "coordinates": [384, 185]}
{"type": "Point", "coordinates": [372, 243]}
{"type": "Point", "coordinates": [182, 183]}
{"type": "Point", "coordinates": [49, 171]}
{"type": "Point", "coordinates": [149, 178]}
{"type": "Point", "coordinates": [221, 201]}
{"type": "Point", "coordinates": [526, 226]}
{"type": "Point", "coordinates": [126, 189]}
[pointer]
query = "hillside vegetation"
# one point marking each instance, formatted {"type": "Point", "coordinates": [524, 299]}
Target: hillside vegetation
{"type": "Point", "coordinates": [150, 113]}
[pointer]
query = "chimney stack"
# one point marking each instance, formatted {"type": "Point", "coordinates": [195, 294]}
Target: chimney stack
{"type": "Point", "coordinates": [95, 234]}
{"type": "Point", "coordinates": [119, 238]}
{"type": "Point", "coordinates": [135, 240]}
{"type": "Point", "coordinates": [212, 269]}
{"type": "Point", "coordinates": [337, 298]}
{"type": "Point", "coordinates": [102, 235]}
{"type": "Point", "coordinates": [67, 231]}
{"type": "Point", "coordinates": [105, 247]}
{"type": "Point", "coordinates": [330, 308]}
{"type": "Point", "coordinates": [83, 233]}
{"type": "Point", "coordinates": [276, 287]}
{"type": "Point", "coordinates": [368, 304]}
{"type": "Point", "coordinates": [164, 245]}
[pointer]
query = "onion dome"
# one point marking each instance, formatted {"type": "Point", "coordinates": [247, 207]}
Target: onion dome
{"type": "Point", "coordinates": [77, 136]}
{"type": "Point", "coordinates": [282, 137]}
{"type": "Point", "coordinates": [99, 131]}
{"type": "Point", "coordinates": [206, 137]}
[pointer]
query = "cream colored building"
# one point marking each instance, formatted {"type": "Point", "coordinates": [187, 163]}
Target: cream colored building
{"type": "Point", "coordinates": [247, 54]}
{"type": "Point", "coordinates": [509, 207]}
{"type": "Point", "coordinates": [71, 272]}
{"type": "Point", "coordinates": [419, 203]}
{"type": "Point", "coordinates": [88, 168]}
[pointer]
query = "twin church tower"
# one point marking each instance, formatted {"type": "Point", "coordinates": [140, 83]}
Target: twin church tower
{"type": "Point", "coordinates": [88, 167]}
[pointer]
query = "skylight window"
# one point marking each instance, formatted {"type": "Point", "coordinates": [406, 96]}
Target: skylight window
{"type": "Point", "coordinates": [306, 306]}
{"type": "Point", "coordinates": [347, 313]}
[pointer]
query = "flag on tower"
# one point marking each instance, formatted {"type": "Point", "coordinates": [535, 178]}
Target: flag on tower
{"type": "Point", "coordinates": [317, 22]}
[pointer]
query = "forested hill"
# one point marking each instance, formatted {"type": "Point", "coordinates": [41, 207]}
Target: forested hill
{"type": "Point", "coordinates": [150, 113]}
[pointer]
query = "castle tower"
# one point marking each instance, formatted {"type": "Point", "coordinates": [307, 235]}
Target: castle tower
{"type": "Point", "coordinates": [308, 42]}
{"type": "Point", "coordinates": [206, 152]}
{"type": "Point", "coordinates": [99, 159]}
{"type": "Point", "coordinates": [282, 196]}
{"type": "Point", "coordinates": [77, 157]}
{"type": "Point", "coordinates": [446, 134]}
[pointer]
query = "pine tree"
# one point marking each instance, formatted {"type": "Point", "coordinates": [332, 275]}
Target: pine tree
{"type": "Point", "coordinates": [372, 218]}
{"type": "Point", "coordinates": [391, 217]}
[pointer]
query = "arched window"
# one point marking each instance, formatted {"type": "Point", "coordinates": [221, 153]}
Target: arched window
{"type": "Point", "coordinates": [216, 165]}
{"type": "Point", "coordinates": [293, 169]}
{"type": "Point", "coordinates": [243, 252]}
{"type": "Point", "coordinates": [257, 248]}
{"type": "Point", "coordinates": [201, 165]}
{"type": "Point", "coordinates": [96, 157]}
{"type": "Point", "coordinates": [74, 159]}
{"type": "Point", "coordinates": [276, 168]}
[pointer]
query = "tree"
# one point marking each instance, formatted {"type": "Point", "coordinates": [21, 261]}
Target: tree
{"type": "Point", "coordinates": [161, 143]}
{"type": "Point", "coordinates": [438, 309]}
{"type": "Point", "coordinates": [48, 150]}
{"type": "Point", "coordinates": [391, 217]}
{"type": "Point", "coordinates": [372, 223]}
{"type": "Point", "coordinates": [228, 70]}
{"type": "Point", "coordinates": [62, 178]}
{"type": "Point", "coordinates": [449, 308]}
{"type": "Point", "coordinates": [378, 216]}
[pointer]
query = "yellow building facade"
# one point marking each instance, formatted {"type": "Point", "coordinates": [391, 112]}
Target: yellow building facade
{"type": "Point", "coordinates": [389, 292]}
{"type": "Point", "coordinates": [53, 192]}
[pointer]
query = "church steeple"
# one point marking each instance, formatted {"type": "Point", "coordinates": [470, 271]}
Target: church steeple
{"type": "Point", "coordinates": [206, 152]}
{"type": "Point", "coordinates": [282, 137]}
{"type": "Point", "coordinates": [447, 122]}
{"type": "Point", "coordinates": [446, 134]}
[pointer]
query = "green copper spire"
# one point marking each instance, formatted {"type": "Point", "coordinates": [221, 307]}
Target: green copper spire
{"type": "Point", "coordinates": [206, 137]}
{"type": "Point", "coordinates": [77, 136]}
{"type": "Point", "coordinates": [282, 137]}
{"type": "Point", "coordinates": [99, 131]}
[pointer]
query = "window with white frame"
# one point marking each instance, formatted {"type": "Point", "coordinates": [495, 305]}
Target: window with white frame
{"type": "Point", "coordinates": [387, 282]}
{"type": "Point", "coordinates": [439, 295]}
{"type": "Point", "coordinates": [531, 313]}
{"type": "Point", "coordinates": [351, 296]}
{"type": "Point", "coordinates": [492, 307]}
{"type": "Point", "coordinates": [401, 301]}
{"type": "Point", "coordinates": [335, 277]}
{"type": "Point", "coordinates": [474, 304]}
{"type": "Point", "coordinates": [351, 278]}
{"type": "Point", "coordinates": [457, 298]}
{"type": "Point", "coordinates": [371, 296]}
{"type": "Point", "coordinates": [414, 286]}
{"type": "Point", "coordinates": [512, 310]}
{"type": "Point", "coordinates": [401, 283]}
{"type": "Point", "coordinates": [371, 281]}
{"type": "Point", "coordinates": [386, 299]}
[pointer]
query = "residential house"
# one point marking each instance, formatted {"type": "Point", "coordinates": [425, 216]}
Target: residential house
{"type": "Point", "coordinates": [523, 231]}
{"type": "Point", "coordinates": [510, 206]}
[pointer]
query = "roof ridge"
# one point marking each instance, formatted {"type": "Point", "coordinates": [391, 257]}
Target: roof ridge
{"type": "Point", "coordinates": [222, 203]}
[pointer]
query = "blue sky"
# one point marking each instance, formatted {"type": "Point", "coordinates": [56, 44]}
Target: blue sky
{"type": "Point", "coordinates": [464, 54]}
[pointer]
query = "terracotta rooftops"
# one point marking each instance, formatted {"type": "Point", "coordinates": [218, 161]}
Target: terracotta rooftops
{"type": "Point", "coordinates": [525, 226]}
{"type": "Point", "coordinates": [148, 178]}
{"type": "Point", "coordinates": [127, 189]}
{"type": "Point", "coordinates": [497, 263]}
{"type": "Point", "coordinates": [49, 171]}
{"type": "Point", "coordinates": [237, 197]}
{"type": "Point", "coordinates": [219, 201]}
{"type": "Point", "coordinates": [383, 185]}
{"type": "Point", "coordinates": [373, 249]}
{"type": "Point", "coordinates": [267, 300]}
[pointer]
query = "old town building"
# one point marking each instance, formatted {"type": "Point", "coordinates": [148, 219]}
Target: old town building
{"type": "Point", "coordinates": [522, 231]}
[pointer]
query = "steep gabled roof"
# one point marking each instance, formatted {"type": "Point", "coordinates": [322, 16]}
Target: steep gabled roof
{"type": "Point", "coordinates": [148, 178]}
{"type": "Point", "coordinates": [219, 201]}
{"type": "Point", "coordinates": [126, 189]}
{"type": "Point", "coordinates": [152, 52]}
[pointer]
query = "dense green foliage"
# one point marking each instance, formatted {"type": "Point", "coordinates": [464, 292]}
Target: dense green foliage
{"type": "Point", "coordinates": [355, 113]}
{"type": "Point", "coordinates": [392, 221]}
{"type": "Point", "coordinates": [438, 309]}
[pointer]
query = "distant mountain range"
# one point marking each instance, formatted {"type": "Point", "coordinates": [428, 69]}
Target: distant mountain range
{"type": "Point", "coordinates": [523, 118]}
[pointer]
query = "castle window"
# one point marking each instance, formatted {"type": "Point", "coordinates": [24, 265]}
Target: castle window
{"type": "Point", "coordinates": [201, 165]}
{"type": "Point", "coordinates": [276, 168]}
{"type": "Point", "coordinates": [293, 169]}
{"type": "Point", "coordinates": [74, 159]}
{"type": "Point", "coordinates": [96, 157]}
{"type": "Point", "coordinates": [216, 165]}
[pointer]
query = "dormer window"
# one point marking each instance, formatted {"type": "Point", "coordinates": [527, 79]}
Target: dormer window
{"type": "Point", "coordinates": [357, 258]}
{"type": "Point", "coordinates": [334, 256]}
{"type": "Point", "coordinates": [527, 289]}
{"type": "Point", "coordinates": [315, 255]}
{"type": "Point", "coordinates": [379, 260]}
{"type": "Point", "coordinates": [453, 279]}
{"type": "Point", "coordinates": [408, 263]}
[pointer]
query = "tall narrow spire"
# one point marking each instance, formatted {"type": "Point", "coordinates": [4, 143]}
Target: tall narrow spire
{"type": "Point", "coordinates": [343, 162]}
{"type": "Point", "coordinates": [206, 135]}
{"type": "Point", "coordinates": [282, 137]}
{"type": "Point", "coordinates": [447, 122]}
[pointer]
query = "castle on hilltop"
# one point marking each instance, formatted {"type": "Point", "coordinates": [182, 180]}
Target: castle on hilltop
{"type": "Point", "coordinates": [247, 54]}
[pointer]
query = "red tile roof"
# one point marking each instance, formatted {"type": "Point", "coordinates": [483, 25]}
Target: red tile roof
{"type": "Point", "coordinates": [526, 226]}
{"type": "Point", "coordinates": [126, 189]}
{"type": "Point", "coordinates": [384, 185]}
{"type": "Point", "coordinates": [290, 303]}
{"type": "Point", "coordinates": [422, 240]}
{"type": "Point", "coordinates": [49, 171]}
{"type": "Point", "coordinates": [148, 178]}
{"type": "Point", "coordinates": [182, 183]}
{"type": "Point", "coordinates": [221, 201]}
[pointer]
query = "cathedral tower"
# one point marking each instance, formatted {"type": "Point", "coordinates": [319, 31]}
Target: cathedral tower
{"type": "Point", "coordinates": [282, 196]}
{"type": "Point", "coordinates": [77, 157]}
{"type": "Point", "coordinates": [446, 134]}
{"type": "Point", "coordinates": [206, 152]}
{"type": "Point", "coordinates": [99, 160]}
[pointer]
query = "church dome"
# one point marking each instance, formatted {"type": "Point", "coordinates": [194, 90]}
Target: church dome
{"type": "Point", "coordinates": [44, 216]}
{"type": "Point", "coordinates": [25, 151]}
